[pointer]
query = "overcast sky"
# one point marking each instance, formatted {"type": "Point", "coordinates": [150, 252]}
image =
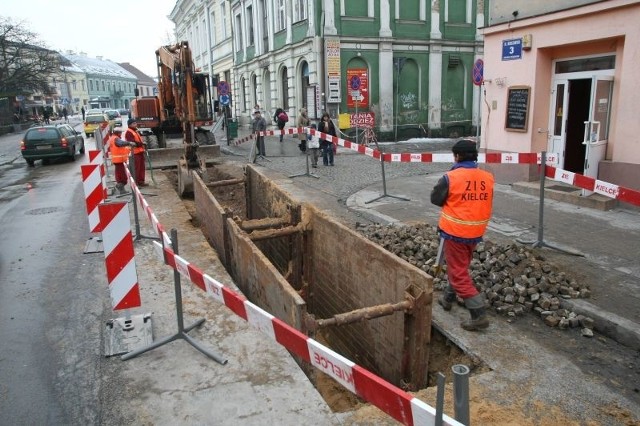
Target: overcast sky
{"type": "Point", "coordinates": [122, 31]}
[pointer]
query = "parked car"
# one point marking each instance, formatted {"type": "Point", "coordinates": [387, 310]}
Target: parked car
{"type": "Point", "coordinates": [123, 111]}
{"type": "Point", "coordinates": [51, 141]}
{"type": "Point", "coordinates": [114, 117]}
{"type": "Point", "coordinates": [93, 121]}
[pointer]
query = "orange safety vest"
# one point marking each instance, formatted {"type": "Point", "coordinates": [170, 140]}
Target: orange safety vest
{"type": "Point", "coordinates": [467, 211]}
{"type": "Point", "coordinates": [119, 154]}
{"type": "Point", "coordinates": [137, 139]}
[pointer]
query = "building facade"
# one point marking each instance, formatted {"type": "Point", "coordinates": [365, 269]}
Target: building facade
{"type": "Point", "coordinates": [108, 84]}
{"type": "Point", "coordinates": [565, 81]}
{"type": "Point", "coordinates": [146, 85]}
{"type": "Point", "coordinates": [206, 25]}
{"type": "Point", "coordinates": [395, 65]}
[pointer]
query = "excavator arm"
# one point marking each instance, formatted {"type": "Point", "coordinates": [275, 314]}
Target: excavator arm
{"type": "Point", "coordinates": [183, 93]}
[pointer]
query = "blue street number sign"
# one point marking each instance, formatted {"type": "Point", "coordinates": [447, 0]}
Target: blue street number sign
{"type": "Point", "coordinates": [478, 71]}
{"type": "Point", "coordinates": [511, 49]}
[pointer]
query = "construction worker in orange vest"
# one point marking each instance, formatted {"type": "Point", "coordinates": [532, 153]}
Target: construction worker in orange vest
{"type": "Point", "coordinates": [119, 150]}
{"type": "Point", "coordinates": [132, 135]}
{"type": "Point", "coordinates": [465, 194]}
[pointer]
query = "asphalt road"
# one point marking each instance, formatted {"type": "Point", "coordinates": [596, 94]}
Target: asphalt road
{"type": "Point", "coordinates": [48, 300]}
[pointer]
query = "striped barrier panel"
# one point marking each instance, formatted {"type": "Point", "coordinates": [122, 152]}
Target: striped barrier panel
{"type": "Point", "coordinates": [94, 194]}
{"type": "Point", "coordinates": [96, 157]}
{"type": "Point", "coordinates": [607, 189]}
{"type": "Point", "coordinates": [119, 257]}
{"type": "Point", "coordinates": [397, 403]}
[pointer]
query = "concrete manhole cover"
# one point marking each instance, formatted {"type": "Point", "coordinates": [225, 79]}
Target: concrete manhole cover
{"type": "Point", "coordinates": [44, 210]}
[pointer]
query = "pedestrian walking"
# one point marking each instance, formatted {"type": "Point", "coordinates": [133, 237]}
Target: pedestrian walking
{"type": "Point", "coordinates": [119, 150]}
{"type": "Point", "coordinates": [259, 124]}
{"type": "Point", "coordinates": [132, 135]}
{"type": "Point", "coordinates": [465, 194]}
{"type": "Point", "coordinates": [327, 126]}
{"type": "Point", "coordinates": [65, 113]}
{"type": "Point", "coordinates": [82, 110]}
{"type": "Point", "coordinates": [301, 122]}
{"type": "Point", "coordinates": [281, 118]}
{"type": "Point", "coordinates": [313, 144]}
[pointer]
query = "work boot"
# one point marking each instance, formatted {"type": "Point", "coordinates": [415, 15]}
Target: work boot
{"type": "Point", "coordinates": [120, 188]}
{"type": "Point", "coordinates": [478, 320]}
{"type": "Point", "coordinates": [447, 298]}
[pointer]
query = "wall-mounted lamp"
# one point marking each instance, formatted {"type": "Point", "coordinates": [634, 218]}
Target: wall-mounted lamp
{"type": "Point", "coordinates": [527, 41]}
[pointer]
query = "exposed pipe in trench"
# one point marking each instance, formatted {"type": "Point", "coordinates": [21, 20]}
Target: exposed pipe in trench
{"type": "Point", "coordinates": [362, 314]}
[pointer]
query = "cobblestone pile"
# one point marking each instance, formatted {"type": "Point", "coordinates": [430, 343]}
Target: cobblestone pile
{"type": "Point", "coordinates": [514, 278]}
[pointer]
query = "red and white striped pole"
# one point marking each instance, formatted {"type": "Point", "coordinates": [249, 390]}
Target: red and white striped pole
{"type": "Point", "coordinates": [94, 194]}
{"type": "Point", "coordinates": [119, 256]}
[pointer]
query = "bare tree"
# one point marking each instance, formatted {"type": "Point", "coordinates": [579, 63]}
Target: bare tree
{"type": "Point", "coordinates": [26, 66]}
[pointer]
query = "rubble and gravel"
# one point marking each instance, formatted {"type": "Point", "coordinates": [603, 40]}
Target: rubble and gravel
{"type": "Point", "coordinates": [514, 278]}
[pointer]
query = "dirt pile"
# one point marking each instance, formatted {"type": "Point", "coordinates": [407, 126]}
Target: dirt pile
{"type": "Point", "coordinates": [514, 279]}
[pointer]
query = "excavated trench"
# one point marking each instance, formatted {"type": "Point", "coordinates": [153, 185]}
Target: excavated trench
{"type": "Point", "coordinates": [443, 353]}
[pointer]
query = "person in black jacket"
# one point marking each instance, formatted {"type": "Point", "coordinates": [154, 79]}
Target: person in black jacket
{"type": "Point", "coordinates": [281, 118]}
{"type": "Point", "coordinates": [327, 126]}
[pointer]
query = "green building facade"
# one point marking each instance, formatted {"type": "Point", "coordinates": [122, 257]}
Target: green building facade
{"type": "Point", "coordinates": [405, 67]}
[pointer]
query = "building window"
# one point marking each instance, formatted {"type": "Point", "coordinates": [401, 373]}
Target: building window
{"type": "Point", "coordinates": [243, 93]}
{"type": "Point", "coordinates": [300, 12]}
{"type": "Point", "coordinates": [285, 89]}
{"type": "Point", "coordinates": [108, 86]}
{"type": "Point", "coordinates": [238, 37]}
{"type": "Point", "coordinates": [356, 8]}
{"type": "Point", "coordinates": [91, 85]}
{"type": "Point", "coordinates": [212, 34]}
{"type": "Point", "coordinates": [223, 16]}
{"type": "Point", "coordinates": [203, 36]}
{"type": "Point", "coordinates": [409, 10]}
{"type": "Point", "coordinates": [103, 85]}
{"type": "Point", "coordinates": [74, 84]}
{"type": "Point", "coordinates": [281, 15]}
{"type": "Point", "coordinates": [456, 11]}
{"type": "Point", "coordinates": [265, 25]}
{"type": "Point", "coordinates": [82, 83]}
{"type": "Point", "coordinates": [250, 35]}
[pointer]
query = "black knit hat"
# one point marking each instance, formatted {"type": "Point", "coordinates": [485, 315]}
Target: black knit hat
{"type": "Point", "coordinates": [464, 146]}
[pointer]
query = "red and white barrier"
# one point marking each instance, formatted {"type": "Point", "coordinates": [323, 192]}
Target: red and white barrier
{"type": "Point", "coordinates": [119, 256]}
{"type": "Point", "coordinates": [392, 400]}
{"type": "Point", "coordinates": [96, 157]}
{"type": "Point", "coordinates": [607, 189]}
{"type": "Point", "coordinates": [94, 194]}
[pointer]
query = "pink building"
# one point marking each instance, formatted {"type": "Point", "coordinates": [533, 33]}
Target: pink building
{"type": "Point", "coordinates": [567, 82]}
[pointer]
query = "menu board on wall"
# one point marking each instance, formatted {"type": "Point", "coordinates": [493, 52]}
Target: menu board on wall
{"type": "Point", "coordinates": [517, 108]}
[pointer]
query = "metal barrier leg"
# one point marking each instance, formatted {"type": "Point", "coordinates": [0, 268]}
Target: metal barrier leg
{"type": "Point", "coordinates": [540, 243]}
{"type": "Point", "coordinates": [136, 217]}
{"type": "Point", "coordinates": [384, 185]}
{"type": "Point", "coordinates": [307, 173]}
{"type": "Point", "coordinates": [182, 330]}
